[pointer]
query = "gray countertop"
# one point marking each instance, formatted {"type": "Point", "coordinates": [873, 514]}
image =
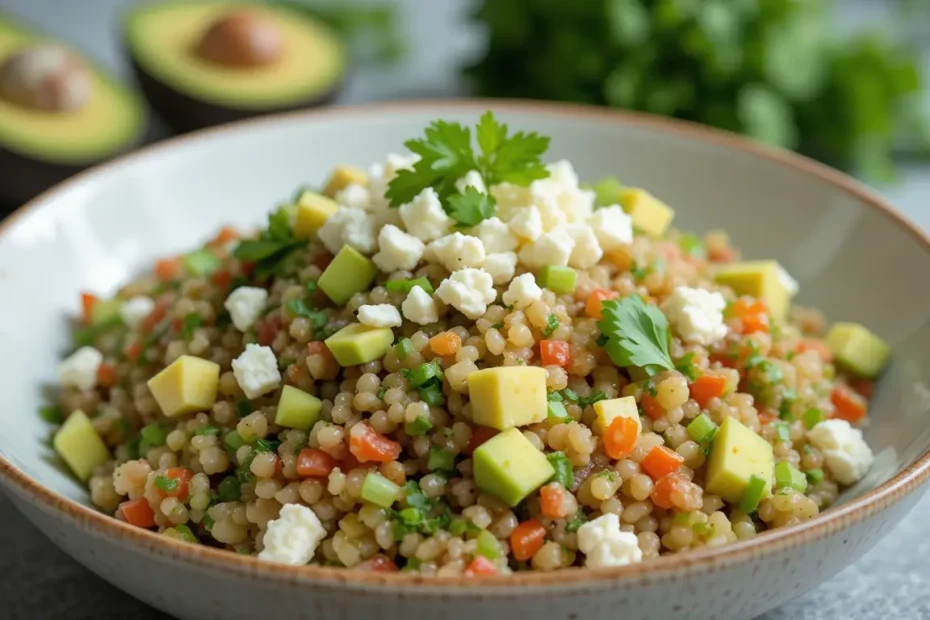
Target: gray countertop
{"type": "Point", "coordinates": [39, 581]}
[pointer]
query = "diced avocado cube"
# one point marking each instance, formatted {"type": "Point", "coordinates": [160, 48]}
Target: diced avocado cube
{"type": "Point", "coordinates": [857, 349]}
{"type": "Point", "coordinates": [609, 410]}
{"type": "Point", "coordinates": [558, 279]}
{"type": "Point", "coordinates": [508, 396]}
{"type": "Point", "coordinates": [343, 176]}
{"type": "Point", "coordinates": [650, 215]}
{"type": "Point", "coordinates": [349, 273]}
{"type": "Point", "coordinates": [787, 476]}
{"type": "Point", "coordinates": [79, 445]}
{"type": "Point", "coordinates": [312, 212]}
{"type": "Point", "coordinates": [188, 385]}
{"type": "Point", "coordinates": [607, 191]}
{"type": "Point", "coordinates": [357, 344]}
{"type": "Point", "coordinates": [201, 262]}
{"type": "Point", "coordinates": [509, 467]}
{"type": "Point", "coordinates": [760, 279]}
{"type": "Point", "coordinates": [297, 409]}
{"type": "Point", "coordinates": [737, 454]}
{"type": "Point", "coordinates": [105, 310]}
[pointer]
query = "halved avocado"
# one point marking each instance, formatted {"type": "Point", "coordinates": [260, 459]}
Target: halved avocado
{"type": "Point", "coordinates": [203, 62]}
{"type": "Point", "coordinates": [40, 147]}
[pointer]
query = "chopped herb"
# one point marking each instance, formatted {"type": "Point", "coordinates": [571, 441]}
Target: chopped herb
{"type": "Point", "coordinates": [424, 373]}
{"type": "Point", "coordinates": [208, 521]}
{"type": "Point", "coordinates": [563, 469]}
{"type": "Point", "coordinates": [152, 435]}
{"type": "Point", "coordinates": [185, 534]}
{"type": "Point", "coordinates": [244, 471]}
{"type": "Point", "coordinates": [166, 484]}
{"type": "Point", "coordinates": [685, 365]}
{"type": "Point", "coordinates": [405, 286]}
{"type": "Point", "coordinates": [470, 207]}
{"type": "Point", "coordinates": [415, 497]}
{"type": "Point", "coordinates": [191, 322]}
{"type": "Point", "coordinates": [418, 427]}
{"type": "Point", "coordinates": [440, 460]}
{"type": "Point", "coordinates": [752, 495]}
{"type": "Point", "coordinates": [300, 308]}
{"type": "Point", "coordinates": [586, 401]}
{"type": "Point", "coordinates": [272, 247]}
{"type": "Point", "coordinates": [243, 408]}
{"type": "Point", "coordinates": [556, 410]}
{"type": "Point", "coordinates": [86, 336]}
{"type": "Point", "coordinates": [602, 340]}
{"type": "Point", "coordinates": [201, 262]}
{"type": "Point", "coordinates": [381, 392]}
{"type": "Point", "coordinates": [814, 476]}
{"type": "Point", "coordinates": [311, 287]}
{"type": "Point", "coordinates": [782, 431]}
{"type": "Point", "coordinates": [787, 402]}
{"type": "Point", "coordinates": [497, 326]}
{"type": "Point", "coordinates": [207, 431]}
{"type": "Point", "coordinates": [812, 417]}
{"type": "Point", "coordinates": [576, 522]}
{"type": "Point", "coordinates": [404, 348]}
{"type": "Point", "coordinates": [266, 445]}
{"type": "Point", "coordinates": [552, 324]}
{"type": "Point", "coordinates": [229, 489]}
{"type": "Point", "coordinates": [637, 334]}
{"type": "Point", "coordinates": [692, 245]}
{"type": "Point", "coordinates": [52, 414]}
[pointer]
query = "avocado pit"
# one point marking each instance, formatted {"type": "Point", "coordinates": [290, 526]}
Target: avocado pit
{"type": "Point", "coordinates": [241, 39]}
{"type": "Point", "coordinates": [45, 77]}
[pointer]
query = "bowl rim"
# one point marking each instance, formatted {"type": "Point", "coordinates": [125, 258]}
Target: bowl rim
{"type": "Point", "coordinates": [665, 568]}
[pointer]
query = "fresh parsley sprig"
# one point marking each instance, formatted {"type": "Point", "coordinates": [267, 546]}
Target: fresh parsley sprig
{"type": "Point", "coordinates": [446, 155]}
{"type": "Point", "coordinates": [273, 245]}
{"type": "Point", "coordinates": [635, 333]}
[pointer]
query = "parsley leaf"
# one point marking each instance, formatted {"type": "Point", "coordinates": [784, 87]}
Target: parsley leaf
{"type": "Point", "coordinates": [552, 324]}
{"type": "Point", "coordinates": [191, 322]}
{"type": "Point", "coordinates": [637, 334]}
{"type": "Point", "coordinates": [685, 365]}
{"type": "Point", "coordinates": [470, 208]}
{"type": "Point", "coordinates": [445, 155]}
{"type": "Point", "coordinates": [273, 245]}
{"type": "Point", "coordinates": [300, 308]}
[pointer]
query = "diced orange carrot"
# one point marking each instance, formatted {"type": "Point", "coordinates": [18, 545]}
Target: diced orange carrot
{"type": "Point", "coordinates": [663, 488]}
{"type": "Point", "coordinates": [480, 566]}
{"type": "Point", "coordinates": [132, 351]}
{"type": "Point", "coordinates": [137, 512]}
{"type": "Point", "coordinates": [378, 564]}
{"type": "Point", "coordinates": [88, 301]}
{"type": "Point", "coordinates": [651, 407]}
{"type": "Point", "coordinates": [555, 353]}
{"type": "Point", "coordinates": [592, 307]}
{"type": "Point", "coordinates": [313, 463]}
{"type": "Point", "coordinates": [479, 435]}
{"type": "Point", "coordinates": [849, 405]}
{"type": "Point", "coordinates": [226, 235]}
{"type": "Point", "coordinates": [722, 255]}
{"type": "Point", "coordinates": [706, 387]}
{"type": "Point", "coordinates": [767, 417]}
{"type": "Point", "coordinates": [106, 374]}
{"type": "Point", "coordinates": [368, 445]}
{"type": "Point", "coordinates": [552, 501]}
{"type": "Point", "coordinates": [168, 268]}
{"type": "Point", "coordinates": [753, 315]}
{"type": "Point", "coordinates": [660, 462]}
{"type": "Point", "coordinates": [526, 539]}
{"type": "Point", "coordinates": [620, 437]}
{"type": "Point", "coordinates": [445, 343]}
{"type": "Point", "coordinates": [156, 315]}
{"type": "Point", "coordinates": [183, 476]}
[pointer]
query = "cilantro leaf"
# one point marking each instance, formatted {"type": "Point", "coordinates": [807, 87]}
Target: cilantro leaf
{"type": "Point", "coordinates": [469, 208]}
{"type": "Point", "coordinates": [685, 365]}
{"type": "Point", "coordinates": [490, 135]}
{"type": "Point", "coordinates": [637, 334]}
{"type": "Point", "coordinates": [445, 155]}
{"type": "Point", "coordinates": [300, 307]}
{"type": "Point", "coordinates": [191, 322]}
{"type": "Point", "coordinates": [517, 160]}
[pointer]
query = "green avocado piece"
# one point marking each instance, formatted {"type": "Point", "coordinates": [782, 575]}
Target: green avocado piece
{"type": "Point", "coordinates": [509, 467]}
{"type": "Point", "coordinates": [192, 89]}
{"type": "Point", "coordinates": [39, 148]}
{"type": "Point", "coordinates": [297, 409]}
{"type": "Point", "coordinates": [357, 344]}
{"type": "Point", "coordinates": [760, 279]}
{"type": "Point", "coordinates": [857, 349]}
{"type": "Point", "coordinates": [348, 273]}
{"type": "Point", "coordinates": [79, 445]}
{"type": "Point", "coordinates": [105, 310]}
{"type": "Point", "coordinates": [737, 454]}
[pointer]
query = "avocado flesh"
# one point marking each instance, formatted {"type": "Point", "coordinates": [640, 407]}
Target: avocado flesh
{"type": "Point", "coordinates": [190, 92]}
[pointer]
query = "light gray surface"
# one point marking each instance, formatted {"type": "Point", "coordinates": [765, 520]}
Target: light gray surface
{"type": "Point", "coordinates": [39, 581]}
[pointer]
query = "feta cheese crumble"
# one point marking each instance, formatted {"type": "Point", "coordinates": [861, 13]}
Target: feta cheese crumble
{"type": "Point", "coordinates": [424, 216]}
{"type": "Point", "coordinates": [135, 310]}
{"type": "Point", "coordinates": [245, 305]}
{"type": "Point", "coordinates": [399, 251]}
{"type": "Point", "coordinates": [456, 251]}
{"type": "Point", "coordinates": [526, 223]}
{"type": "Point", "coordinates": [354, 195]}
{"type": "Point", "coordinates": [379, 315]}
{"type": "Point", "coordinates": [293, 537]}
{"type": "Point", "coordinates": [612, 226]}
{"type": "Point", "coordinates": [420, 307]}
{"type": "Point", "coordinates": [846, 454]}
{"type": "Point", "coordinates": [587, 251]}
{"type": "Point", "coordinates": [522, 292]}
{"type": "Point", "coordinates": [496, 235]}
{"type": "Point", "coordinates": [469, 291]}
{"type": "Point", "coordinates": [604, 544]}
{"type": "Point", "coordinates": [501, 266]}
{"type": "Point", "coordinates": [696, 315]}
{"type": "Point", "coordinates": [256, 370]}
{"type": "Point", "coordinates": [551, 248]}
{"type": "Point", "coordinates": [348, 226]}
{"type": "Point", "coordinates": [79, 370]}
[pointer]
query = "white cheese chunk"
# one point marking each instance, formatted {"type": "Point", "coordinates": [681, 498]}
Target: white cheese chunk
{"type": "Point", "coordinates": [256, 370]}
{"type": "Point", "coordinates": [696, 315]}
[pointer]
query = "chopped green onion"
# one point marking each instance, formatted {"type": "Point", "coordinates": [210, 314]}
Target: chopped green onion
{"type": "Point", "coordinates": [405, 286]}
{"type": "Point", "coordinates": [311, 287]}
{"type": "Point", "coordinates": [404, 348]}
{"type": "Point", "coordinates": [243, 408]}
{"type": "Point", "coordinates": [424, 373]}
{"type": "Point", "coordinates": [379, 490]}
{"type": "Point", "coordinates": [577, 521]}
{"type": "Point", "coordinates": [560, 280]}
{"type": "Point", "coordinates": [208, 521]}
{"type": "Point", "coordinates": [563, 468]}
{"type": "Point", "coordinates": [201, 262]}
{"type": "Point", "coordinates": [382, 391]}
{"type": "Point", "coordinates": [458, 527]}
{"type": "Point", "coordinates": [488, 545]}
{"type": "Point", "coordinates": [412, 565]}
{"type": "Point", "coordinates": [552, 324]}
{"type": "Point", "coordinates": [431, 394]}
{"type": "Point", "coordinates": [440, 459]}
{"type": "Point", "coordinates": [418, 427]}
{"type": "Point", "coordinates": [557, 410]}
{"type": "Point", "coordinates": [166, 484]}
{"type": "Point", "coordinates": [753, 494]}
{"type": "Point", "coordinates": [701, 528]}
{"type": "Point", "coordinates": [691, 244]}
{"type": "Point", "coordinates": [266, 445]}
{"type": "Point", "coordinates": [191, 322]}
{"type": "Point", "coordinates": [207, 431]}
{"type": "Point", "coordinates": [234, 440]}
{"type": "Point", "coordinates": [607, 192]}
{"type": "Point", "coordinates": [812, 417]}
{"type": "Point", "coordinates": [229, 489]}
{"type": "Point", "coordinates": [814, 476]}
{"type": "Point", "coordinates": [153, 434]}
{"type": "Point", "coordinates": [787, 476]}
{"type": "Point", "coordinates": [186, 534]}
{"type": "Point", "coordinates": [782, 431]}
{"type": "Point", "coordinates": [52, 414]}
{"type": "Point", "coordinates": [702, 429]}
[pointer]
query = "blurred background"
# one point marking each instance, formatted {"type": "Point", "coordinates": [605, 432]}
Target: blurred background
{"type": "Point", "coordinates": [843, 81]}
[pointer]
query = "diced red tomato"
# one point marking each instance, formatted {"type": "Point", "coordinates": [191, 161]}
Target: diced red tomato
{"type": "Point", "coordinates": [479, 435]}
{"type": "Point", "coordinates": [314, 463]}
{"type": "Point", "coordinates": [480, 566]}
{"type": "Point", "coordinates": [226, 235]}
{"type": "Point", "coordinates": [818, 346]}
{"type": "Point", "coordinates": [555, 353]}
{"type": "Point", "coordinates": [378, 564]}
{"type": "Point", "coordinates": [323, 259]}
{"type": "Point", "coordinates": [168, 268]}
{"type": "Point", "coordinates": [88, 301]}
{"type": "Point", "coordinates": [368, 445]}
{"type": "Point", "coordinates": [267, 328]}
{"type": "Point", "coordinates": [133, 351]}
{"type": "Point", "coordinates": [221, 278]}
{"type": "Point", "coordinates": [137, 512]}
{"type": "Point", "coordinates": [106, 375]}
{"type": "Point", "coordinates": [849, 405]}
{"type": "Point", "coordinates": [156, 315]}
{"type": "Point", "coordinates": [722, 255]}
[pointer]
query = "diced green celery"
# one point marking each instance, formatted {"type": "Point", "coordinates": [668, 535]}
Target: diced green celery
{"type": "Point", "coordinates": [379, 490]}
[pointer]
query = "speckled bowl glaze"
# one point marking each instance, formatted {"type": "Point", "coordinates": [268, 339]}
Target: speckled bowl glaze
{"type": "Point", "coordinates": [854, 256]}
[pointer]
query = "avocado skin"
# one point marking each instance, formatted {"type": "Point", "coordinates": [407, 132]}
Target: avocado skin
{"type": "Point", "coordinates": [184, 113]}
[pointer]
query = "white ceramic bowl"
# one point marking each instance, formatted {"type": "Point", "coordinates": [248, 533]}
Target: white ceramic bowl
{"type": "Point", "coordinates": [853, 255]}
